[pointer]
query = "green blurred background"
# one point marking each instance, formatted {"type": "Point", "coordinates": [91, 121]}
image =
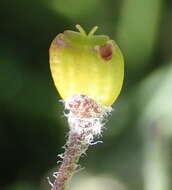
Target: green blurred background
{"type": "Point", "coordinates": [136, 153]}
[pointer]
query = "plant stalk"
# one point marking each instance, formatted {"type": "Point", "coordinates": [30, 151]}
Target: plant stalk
{"type": "Point", "coordinates": [75, 147]}
{"type": "Point", "coordinates": [85, 122]}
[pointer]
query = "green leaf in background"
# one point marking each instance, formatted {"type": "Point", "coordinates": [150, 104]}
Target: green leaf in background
{"type": "Point", "coordinates": [155, 99]}
{"type": "Point", "coordinates": [74, 9]}
{"type": "Point", "coordinates": [85, 181]}
{"type": "Point", "coordinates": [137, 31]}
{"type": "Point", "coordinates": [155, 121]}
{"type": "Point", "coordinates": [22, 186]}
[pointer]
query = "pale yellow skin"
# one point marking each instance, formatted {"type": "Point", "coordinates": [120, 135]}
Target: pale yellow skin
{"type": "Point", "coordinates": [81, 70]}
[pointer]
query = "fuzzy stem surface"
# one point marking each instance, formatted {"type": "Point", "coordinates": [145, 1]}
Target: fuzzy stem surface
{"type": "Point", "coordinates": [74, 149]}
{"type": "Point", "coordinates": [85, 120]}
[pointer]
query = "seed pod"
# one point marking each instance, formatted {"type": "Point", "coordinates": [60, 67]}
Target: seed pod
{"type": "Point", "coordinates": [91, 65]}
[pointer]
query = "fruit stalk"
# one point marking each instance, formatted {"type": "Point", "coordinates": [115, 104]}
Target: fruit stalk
{"type": "Point", "coordinates": [85, 122]}
{"type": "Point", "coordinates": [74, 149]}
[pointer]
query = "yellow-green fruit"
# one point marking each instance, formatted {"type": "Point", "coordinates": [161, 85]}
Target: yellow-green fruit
{"type": "Point", "coordinates": [90, 64]}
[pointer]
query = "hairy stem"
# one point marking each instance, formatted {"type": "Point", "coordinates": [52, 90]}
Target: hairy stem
{"type": "Point", "coordinates": [85, 122]}
{"type": "Point", "coordinates": [75, 147]}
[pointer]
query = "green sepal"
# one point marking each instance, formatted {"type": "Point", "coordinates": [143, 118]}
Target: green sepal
{"type": "Point", "coordinates": [78, 39]}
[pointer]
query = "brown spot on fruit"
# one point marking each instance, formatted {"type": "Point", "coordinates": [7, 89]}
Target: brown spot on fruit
{"type": "Point", "coordinates": [106, 52]}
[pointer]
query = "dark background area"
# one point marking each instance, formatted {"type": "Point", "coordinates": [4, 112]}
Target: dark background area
{"type": "Point", "coordinates": [136, 152]}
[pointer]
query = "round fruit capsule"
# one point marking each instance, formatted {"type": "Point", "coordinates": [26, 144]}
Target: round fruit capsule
{"type": "Point", "coordinates": [86, 64]}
